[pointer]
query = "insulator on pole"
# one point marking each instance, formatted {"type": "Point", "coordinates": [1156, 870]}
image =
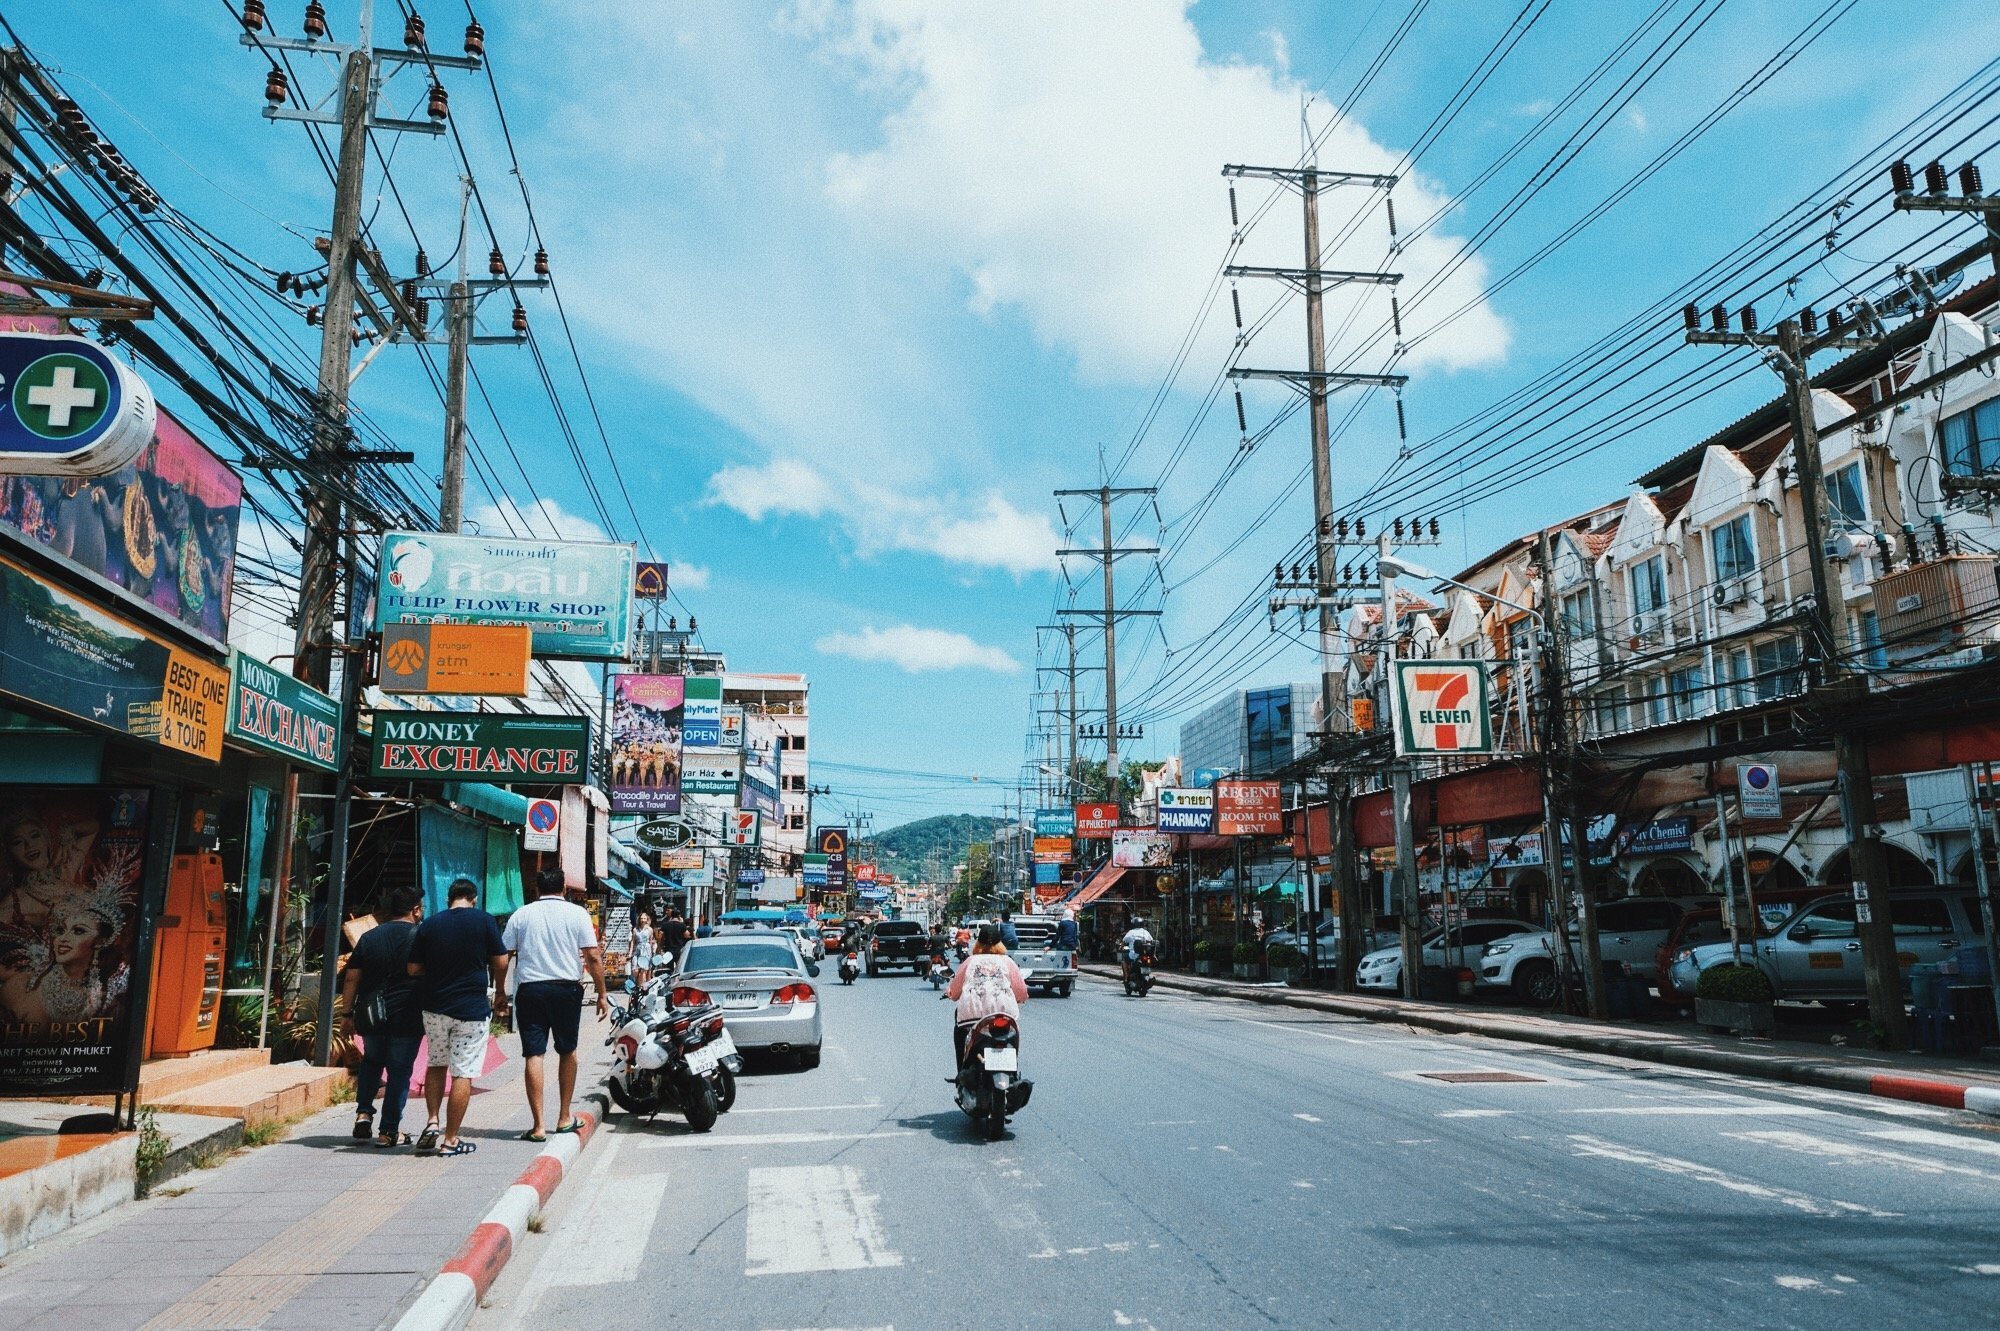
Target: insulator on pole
{"type": "Point", "coordinates": [475, 40]}
{"type": "Point", "coordinates": [1748, 317]}
{"type": "Point", "coordinates": [413, 31]}
{"type": "Point", "coordinates": [541, 262]}
{"type": "Point", "coordinates": [1361, 529]}
{"type": "Point", "coordinates": [1901, 178]}
{"type": "Point", "coordinates": [1691, 313]}
{"type": "Point", "coordinates": [1233, 219]}
{"type": "Point", "coordinates": [1718, 318]}
{"type": "Point", "coordinates": [496, 265]}
{"type": "Point", "coordinates": [275, 90]}
{"type": "Point", "coordinates": [1396, 314]}
{"type": "Point", "coordinates": [423, 263]}
{"type": "Point", "coordinates": [440, 102]}
{"type": "Point", "coordinates": [1397, 530]}
{"type": "Point", "coordinates": [315, 24]}
{"type": "Point", "coordinates": [1809, 321]}
{"type": "Point", "coordinates": [1236, 304]}
{"type": "Point", "coordinates": [1935, 179]}
{"type": "Point", "coordinates": [253, 15]}
{"type": "Point", "coordinates": [1969, 183]}
{"type": "Point", "coordinates": [1435, 534]}
{"type": "Point", "coordinates": [1390, 205]}
{"type": "Point", "coordinates": [284, 283]}
{"type": "Point", "coordinates": [1402, 426]}
{"type": "Point", "coordinates": [520, 319]}
{"type": "Point", "coordinates": [1242, 422]}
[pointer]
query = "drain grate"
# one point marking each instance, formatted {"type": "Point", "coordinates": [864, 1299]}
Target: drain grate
{"type": "Point", "coordinates": [1477, 1078]}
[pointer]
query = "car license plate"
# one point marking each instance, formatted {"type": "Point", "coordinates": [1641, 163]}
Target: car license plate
{"type": "Point", "coordinates": [703, 1060]}
{"type": "Point", "coordinates": [739, 1000]}
{"type": "Point", "coordinates": [1002, 1060]}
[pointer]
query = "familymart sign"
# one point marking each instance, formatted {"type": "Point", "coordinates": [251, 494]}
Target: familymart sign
{"type": "Point", "coordinates": [1441, 707]}
{"type": "Point", "coordinates": [432, 746]}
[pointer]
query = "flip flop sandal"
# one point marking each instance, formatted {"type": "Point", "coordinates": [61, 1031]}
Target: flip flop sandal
{"type": "Point", "coordinates": [427, 1140]}
{"type": "Point", "coordinates": [390, 1141]}
{"type": "Point", "coordinates": [574, 1126]}
{"type": "Point", "coordinates": [459, 1148]}
{"type": "Point", "coordinates": [364, 1126]}
{"type": "Point", "coordinates": [536, 1136]}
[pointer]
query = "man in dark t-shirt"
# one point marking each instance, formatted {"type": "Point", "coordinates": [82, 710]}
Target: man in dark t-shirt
{"type": "Point", "coordinates": [379, 968]}
{"type": "Point", "coordinates": [453, 955]}
{"type": "Point", "coordinates": [673, 934]}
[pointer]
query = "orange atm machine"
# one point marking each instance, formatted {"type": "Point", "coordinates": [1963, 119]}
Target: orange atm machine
{"type": "Point", "coordinates": [188, 959]}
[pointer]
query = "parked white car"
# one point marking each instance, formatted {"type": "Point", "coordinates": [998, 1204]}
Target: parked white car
{"type": "Point", "coordinates": [1463, 946]}
{"type": "Point", "coordinates": [1628, 931]}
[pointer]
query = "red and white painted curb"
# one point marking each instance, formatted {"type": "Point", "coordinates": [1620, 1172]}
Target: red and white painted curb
{"type": "Point", "coordinates": [1946, 1094]}
{"type": "Point", "coordinates": [449, 1301]}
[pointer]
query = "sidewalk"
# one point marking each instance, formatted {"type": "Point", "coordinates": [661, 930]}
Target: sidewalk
{"type": "Point", "coordinates": [317, 1231]}
{"type": "Point", "coordinates": [1955, 1084]}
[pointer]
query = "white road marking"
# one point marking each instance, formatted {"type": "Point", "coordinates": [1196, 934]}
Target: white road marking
{"type": "Point", "coordinates": [810, 1109]}
{"type": "Point", "coordinates": [1308, 1118]}
{"type": "Point", "coordinates": [1804, 1283]}
{"type": "Point", "coordinates": [1982, 1269]}
{"type": "Point", "coordinates": [1598, 1148]}
{"type": "Point", "coordinates": [571, 1241]}
{"type": "Point", "coordinates": [767, 1139]}
{"type": "Point", "coordinates": [805, 1218]}
{"type": "Point", "coordinates": [1851, 1153]}
{"type": "Point", "coordinates": [1926, 1137]}
{"type": "Point", "coordinates": [1476, 1113]}
{"type": "Point", "coordinates": [1752, 1109]}
{"type": "Point", "coordinates": [608, 1240]}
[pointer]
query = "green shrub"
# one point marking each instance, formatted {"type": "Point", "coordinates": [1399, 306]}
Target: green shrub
{"type": "Point", "coordinates": [1734, 984]}
{"type": "Point", "coordinates": [1283, 956]}
{"type": "Point", "coordinates": [1202, 949]}
{"type": "Point", "coordinates": [1248, 954]}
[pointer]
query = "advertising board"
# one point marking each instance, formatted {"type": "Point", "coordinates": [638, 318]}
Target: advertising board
{"type": "Point", "coordinates": [1096, 821]}
{"type": "Point", "coordinates": [575, 595]}
{"type": "Point", "coordinates": [1137, 848]}
{"type": "Point", "coordinates": [489, 660]}
{"type": "Point", "coordinates": [441, 746]}
{"type": "Point", "coordinates": [1249, 808]}
{"type": "Point", "coordinates": [646, 744]}
{"type": "Point", "coordinates": [276, 714]}
{"type": "Point", "coordinates": [1441, 707]}
{"type": "Point", "coordinates": [1186, 810]}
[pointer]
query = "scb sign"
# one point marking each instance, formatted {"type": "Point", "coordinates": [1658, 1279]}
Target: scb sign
{"type": "Point", "coordinates": [1442, 707]}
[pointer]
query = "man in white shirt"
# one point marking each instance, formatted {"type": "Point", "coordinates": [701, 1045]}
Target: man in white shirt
{"type": "Point", "coordinates": [554, 944]}
{"type": "Point", "coordinates": [1129, 944]}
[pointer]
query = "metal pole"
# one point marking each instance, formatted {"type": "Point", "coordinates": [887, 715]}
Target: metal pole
{"type": "Point", "coordinates": [1110, 657]}
{"type": "Point", "coordinates": [336, 875]}
{"type": "Point", "coordinates": [288, 811]}
{"type": "Point", "coordinates": [1983, 876]}
{"type": "Point", "coordinates": [1325, 553]}
{"type": "Point", "coordinates": [1729, 884]}
{"type": "Point", "coordinates": [1399, 782]}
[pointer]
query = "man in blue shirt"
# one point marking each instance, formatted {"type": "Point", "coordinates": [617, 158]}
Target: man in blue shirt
{"type": "Point", "coordinates": [1008, 934]}
{"type": "Point", "coordinates": [453, 955]}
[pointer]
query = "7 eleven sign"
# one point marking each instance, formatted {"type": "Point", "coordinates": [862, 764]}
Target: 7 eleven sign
{"type": "Point", "coordinates": [1441, 707]}
{"type": "Point", "coordinates": [743, 827]}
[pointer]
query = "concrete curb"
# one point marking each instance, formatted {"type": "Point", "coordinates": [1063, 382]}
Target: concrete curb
{"type": "Point", "coordinates": [1803, 1071]}
{"type": "Point", "coordinates": [453, 1294]}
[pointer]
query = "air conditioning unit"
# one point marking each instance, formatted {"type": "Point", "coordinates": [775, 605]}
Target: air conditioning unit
{"type": "Point", "coordinates": [1648, 629]}
{"type": "Point", "coordinates": [1733, 593]}
{"type": "Point", "coordinates": [1944, 597]}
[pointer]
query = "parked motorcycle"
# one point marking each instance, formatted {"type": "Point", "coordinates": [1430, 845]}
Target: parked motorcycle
{"type": "Point", "coordinates": [940, 973]}
{"type": "Point", "coordinates": [990, 1085]}
{"type": "Point", "coordinates": [850, 967]}
{"type": "Point", "coordinates": [672, 1058]}
{"type": "Point", "coordinates": [1139, 972]}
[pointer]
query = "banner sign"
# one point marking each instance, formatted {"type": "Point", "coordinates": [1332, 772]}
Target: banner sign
{"type": "Point", "coordinates": [710, 773]}
{"type": "Point", "coordinates": [743, 827]}
{"type": "Point", "coordinates": [646, 744]}
{"type": "Point", "coordinates": [575, 595]}
{"type": "Point", "coordinates": [1055, 822]}
{"type": "Point", "coordinates": [1441, 707]}
{"type": "Point", "coordinates": [1047, 873]}
{"type": "Point", "coordinates": [749, 875]}
{"type": "Point", "coordinates": [864, 873]}
{"type": "Point", "coordinates": [445, 746]}
{"type": "Point", "coordinates": [61, 652]}
{"type": "Point", "coordinates": [649, 580]}
{"type": "Point", "coordinates": [1137, 848]}
{"type": "Point", "coordinates": [1052, 850]}
{"type": "Point", "coordinates": [1758, 793]}
{"type": "Point", "coordinates": [761, 765]}
{"type": "Point", "coordinates": [490, 660]}
{"type": "Point", "coordinates": [542, 829]}
{"type": "Point", "coordinates": [1186, 810]}
{"type": "Point", "coordinates": [683, 858]}
{"type": "Point", "coordinates": [813, 869]}
{"type": "Point", "coordinates": [74, 992]}
{"type": "Point", "coordinates": [697, 875]}
{"type": "Point", "coordinates": [1521, 851]}
{"type": "Point", "coordinates": [1096, 822]}
{"type": "Point", "coordinates": [732, 727]}
{"type": "Point", "coordinates": [1204, 777]}
{"type": "Point", "coordinates": [832, 843]}
{"type": "Point", "coordinates": [1249, 808]}
{"type": "Point", "coordinates": [701, 712]}
{"type": "Point", "coordinates": [68, 407]}
{"type": "Point", "coordinates": [1659, 837]}
{"type": "Point", "coordinates": [662, 834]}
{"type": "Point", "coordinates": [273, 713]}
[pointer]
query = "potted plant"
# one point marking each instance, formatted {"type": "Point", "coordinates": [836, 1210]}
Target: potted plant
{"type": "Point", "coordinates": [1284, 962]}
{"type": "Point", "coordinates": [1249, 961]}
{"type": "Point", "coordinates": [1203, 957]}
{"type": "Point", "coordinates": [1735, 998]}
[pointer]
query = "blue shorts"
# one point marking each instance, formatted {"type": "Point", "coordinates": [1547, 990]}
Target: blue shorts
{"type": "Point", "coordinates": [545, 1008]}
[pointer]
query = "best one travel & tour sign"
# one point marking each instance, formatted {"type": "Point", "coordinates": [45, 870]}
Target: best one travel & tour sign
{"type": "Point", "coordinates": [441, 746]}
{"type": "Point", "coordinates": [575, 595]}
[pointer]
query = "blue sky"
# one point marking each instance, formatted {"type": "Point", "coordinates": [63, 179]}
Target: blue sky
{"type": "Point", "coordinates": [858, 284]}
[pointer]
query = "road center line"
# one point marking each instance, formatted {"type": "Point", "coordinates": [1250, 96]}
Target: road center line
{"type": "Point", "coordinates": [1598, 1148]}
{"type": "Point", "coordinates": [809, 1109]}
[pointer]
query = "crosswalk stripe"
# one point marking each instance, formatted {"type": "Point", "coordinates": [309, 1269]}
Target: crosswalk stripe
{"type": "Point", "coordinates": [805, 1218]}
{"type": "Point", "coordinates": [1854, 1153]}
{"type": "Point", "coordinates": [607, 1241]}
{"type": "Point", "coordinates": [766, 1139]}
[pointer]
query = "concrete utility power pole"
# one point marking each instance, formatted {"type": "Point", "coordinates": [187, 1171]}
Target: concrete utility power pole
{"type": "Point", "coordinates": [1108, 554]}
{"type": "Point", "coordinates": [1399, 786]}
{"type": "Point", "coordinates": [1559, 743]}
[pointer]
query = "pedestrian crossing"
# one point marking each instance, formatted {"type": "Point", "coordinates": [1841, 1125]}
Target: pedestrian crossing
{"type": "Point", "coordinates": [812, 1218]}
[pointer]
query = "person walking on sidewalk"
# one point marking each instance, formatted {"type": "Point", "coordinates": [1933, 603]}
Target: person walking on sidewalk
{"type": "Point", "coordinates": [555, 944]}
{"type": "Point", "coordinates": [380, 1002]}
{"type": "Point", "coordinates": [454, 954]}
{"type": "Point", "coordinates": [673, 936]}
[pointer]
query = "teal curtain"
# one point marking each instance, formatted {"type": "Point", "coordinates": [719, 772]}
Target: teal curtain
{"type": "Point", "coordinates": [257, 815]}
{"type": "Point", "coordinates": [503, 871]}
{"type": "Point", "coordinates": [448, 848]}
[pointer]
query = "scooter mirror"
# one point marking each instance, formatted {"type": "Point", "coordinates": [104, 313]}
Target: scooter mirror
{"type": "Point", "coordinates": [631, 986]}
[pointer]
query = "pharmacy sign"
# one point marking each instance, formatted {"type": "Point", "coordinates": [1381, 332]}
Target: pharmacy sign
{"type": "Point", "coordinates": [1442, 707]}
{"type": "Point", "coordinates": [69, 408]}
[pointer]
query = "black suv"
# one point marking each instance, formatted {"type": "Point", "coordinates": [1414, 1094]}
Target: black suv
{"type": "Point", "coordinates": [897, 943]}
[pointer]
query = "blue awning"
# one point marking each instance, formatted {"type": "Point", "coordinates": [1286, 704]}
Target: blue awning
{"type": "Point", "coordinates": [492, 801]}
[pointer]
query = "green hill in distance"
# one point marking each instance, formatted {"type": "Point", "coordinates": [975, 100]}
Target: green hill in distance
{"type": "Point", "coordinates": [928, 848]}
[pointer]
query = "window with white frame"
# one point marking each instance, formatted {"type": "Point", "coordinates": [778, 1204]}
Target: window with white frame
{"type": "Point", "coordinates": [1848, 495]}
{"type": "Point", "coordinates": [1607, 713]}
{"type": "Point", "coordinates": [1687, 692]}
{"type": "Point", "coordinates": [1776, 668]}
{"type": "Point", "coordinates": [1649, 702]}
{"type": "Point", "coordinates": [1736, 667]}
{"type": "Point", "coordinates": [1868, 638]}
{"type": "Point", "coordinates": [1734, 551]}
{"type": "Point", "coordinates": [1970, 440]}
{"type": "Point", "coordinates": [1579, 616]}
{"type": "Point", "coordinates": [1648, 580]}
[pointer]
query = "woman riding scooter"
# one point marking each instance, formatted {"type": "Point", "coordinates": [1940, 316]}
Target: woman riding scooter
{"type": "Point", "coordinates": [988, 984]}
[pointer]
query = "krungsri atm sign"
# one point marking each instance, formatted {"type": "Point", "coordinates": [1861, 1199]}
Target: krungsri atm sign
{"type": "Point", "coordinates": [433, 746]}
{"type": "Point", "coordinates": [1442, 707]}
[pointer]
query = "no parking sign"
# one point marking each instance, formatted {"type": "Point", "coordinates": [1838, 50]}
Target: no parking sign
{"type": "Point", "coordinates": [543, 826]}
{"type": "Point", "coordinates": [1758, 793]}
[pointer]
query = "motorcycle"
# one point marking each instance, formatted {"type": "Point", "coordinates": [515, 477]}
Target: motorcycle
{"type": "Point", "coordinates": [940, 973]}
{"type": "Point", "coordinates": [1139, 972]}
{"type": "Point", "coordinates": [990, 1084]}
{"type": "Point", "coordinates": [672, 1058]}
{"type": "Point", "coordinates": [850, 967]}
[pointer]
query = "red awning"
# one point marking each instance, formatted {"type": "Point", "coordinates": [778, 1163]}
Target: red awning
{"type": "Point", "coordinates": [1106, 878]}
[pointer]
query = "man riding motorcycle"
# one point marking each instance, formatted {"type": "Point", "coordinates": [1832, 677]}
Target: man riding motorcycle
{"type": "Point", "coordinates": [1128, 946]}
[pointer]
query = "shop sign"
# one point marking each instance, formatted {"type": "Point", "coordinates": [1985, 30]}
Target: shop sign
{"type": "Point", "coordinates": [697, 875]}
{"type": "Point", "coordinates": [682, 858]}
{"type": "Point", "coordinates": [1183, 809]}
{"type": "Point", "coordinates": [1204, 777]}
{"type": "Point", "coordinates": [646, 714]}
{"type": "Point", "coordinates": [575, 595]}
{"type": "Point", "coordinates": [732, 727]}
{"type": "Point", "coordinates": [1096, 822]}
{"type": "Point", "coordinates": [1441, 707]}
{"type": "Point", "coordinates": [832, 843]}
{"type": "Point", "coordinates": [864, 873]}
{"type": "Point", "coordinates": [276, 714]}
{"type": "Point", "coordinates": [61, 652]}
{"type": "Point", "coordinates": [1519, 851]}
{"type": "Point", "coordinates": [68, 407]}
{"type": "Point", "coordinates": [1362, 713]}
{"type": "Point", "coordinates": [813, 869]}
{"type": "Point", "coordinates": [488, 660]}
{"type": "Point", "coordinates": [1658, 837]}
{"type": "Point", "coordinates": [77, 868]}
{"type": "Point", "coordinates": [749, 875]}
{"type": "Point", "coordinates": [1055, 822]}
{"type": "Point", "coordinates": [542, 831]}
{"type": "Point", "coordinates": [662, 834]}
{"type": "Point", "coordinates": [710, 773]}
{"type": "Point", "coordinates": [701, 712]}
{"type": "Point", "coordinates": [1052, 849]}
{"type": "Point", "coordinates": [1137, 848]}
{"type": "Point", "coordinates": [1047, 873]}
{"type": "Point", "coordinates": [1249, 808]}
{"type": "Point", "coordinates": [743, 827]}
{"type": "Point", "coordinates": [1758, 792]}
{"type": "Point", "coordinates": [649, 580]}
{"type": "Point", "coordinates": [762, 765]}
{"type": "Point", "coordinates": [440, 746]}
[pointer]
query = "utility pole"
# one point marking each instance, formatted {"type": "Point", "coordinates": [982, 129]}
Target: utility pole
{"type": "Point", "coordinates": [1789, 351]}
{"type": "Point", "coordinates": [1560, 761]}
{"type": "Point", "coordinates": [1108, 554]}
{"type": "Point", "coordinates": [1399, 784]}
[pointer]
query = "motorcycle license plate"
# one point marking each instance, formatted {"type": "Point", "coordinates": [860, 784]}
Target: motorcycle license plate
{"type": "Point", "coordinates": [739, 1000]}
{"type": "Point", "coordinates": [703, 1060]}
{"type": "Point", "coordinates": [723, 1046]}
{"type": "Point", "coordinates": [1002, 1060]}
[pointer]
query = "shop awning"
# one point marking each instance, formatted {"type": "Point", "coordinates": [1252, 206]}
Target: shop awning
{"type": "Point", "coordinates": [1106, 878]}
{"type": "Point", "coordinates": [493, 801]}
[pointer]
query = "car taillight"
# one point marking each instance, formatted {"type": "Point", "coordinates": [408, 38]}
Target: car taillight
{"type": "Point", "coordinates": [687, 995]}
{"type": "Point", "coordinates": [794, 993]}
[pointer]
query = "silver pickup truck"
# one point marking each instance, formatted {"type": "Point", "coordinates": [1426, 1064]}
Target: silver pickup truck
{"type": "Point", "coordinates": [1042, 964]}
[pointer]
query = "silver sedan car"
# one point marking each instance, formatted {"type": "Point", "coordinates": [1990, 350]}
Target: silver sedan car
{"type": "Point", "coordinates": [763, 986]}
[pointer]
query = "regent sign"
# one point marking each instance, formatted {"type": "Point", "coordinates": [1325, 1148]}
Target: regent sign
{"type": "Point", "coordinates": [438, 746]}
{"type": "Point", "coordinates": [1441, 707]}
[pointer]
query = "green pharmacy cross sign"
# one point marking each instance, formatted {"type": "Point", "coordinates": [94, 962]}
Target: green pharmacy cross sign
{"type": "Point", "coordinates": [69, 408]}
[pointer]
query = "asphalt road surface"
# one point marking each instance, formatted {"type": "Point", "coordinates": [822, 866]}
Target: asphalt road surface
{"type": "Point", "coordinates": [1208, 1163]}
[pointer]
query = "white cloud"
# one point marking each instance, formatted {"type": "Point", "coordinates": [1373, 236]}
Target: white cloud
{"type": "Point", "coordinates": [1636, 118]}
{"type": "Point", "coordinates": [539, 516]}
{"type": "Point", "coordinates": [690, 577]}
{"type": "Point", "coordinates": [981, 531]}
{"type": "Point", "coordinates": [917, 650]}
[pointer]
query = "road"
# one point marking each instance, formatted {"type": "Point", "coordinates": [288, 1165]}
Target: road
{"type": "Point", "coordinates": [1196, 1162]}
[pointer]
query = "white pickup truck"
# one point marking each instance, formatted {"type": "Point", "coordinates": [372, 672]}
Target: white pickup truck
{"type": "Point", "coordinates": [1042, 964]}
